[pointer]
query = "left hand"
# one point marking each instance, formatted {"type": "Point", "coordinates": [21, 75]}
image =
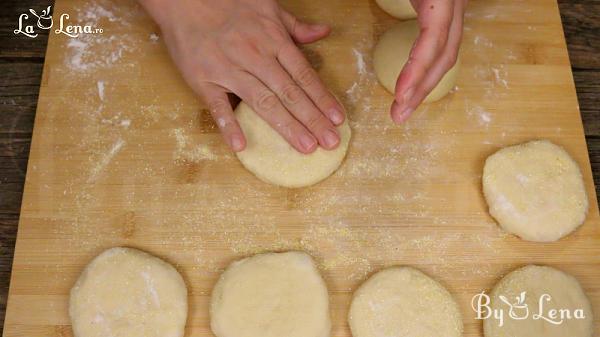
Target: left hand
{"type": "Point", "coordinates": [435, 51]}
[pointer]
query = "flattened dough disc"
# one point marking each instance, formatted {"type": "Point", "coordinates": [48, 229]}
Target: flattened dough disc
{"type": "Point", "coordinates": [391, 53]}
{"type": "Point", "coordinates": [125, 292]}
{"type": "Point", "coordinates": [535, 281]}
{"type": "Point", "coordinates": [269, 156]}
{"type": "Point", "coordinates": [535, 190]}
{"type": "Point", "coordinates": [402, 301]}
{"type": "Point", "coordinates": [271, 295]}
{"type": "Point", "coordinates": [401, 9]}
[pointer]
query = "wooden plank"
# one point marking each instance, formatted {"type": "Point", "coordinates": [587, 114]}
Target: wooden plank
{"type": "Point", "coordinates": [21, 46]}
{"type": "Point", "coordinates": [581, 25]}
{"type": "Point", "coordinates": [8, 234]}
{"type": "Point", "coordinates": [581, 22]}
{"type": "Point", "coordinates": [594, 150]}
{"type": "Point", "coordinates": [588, 93]}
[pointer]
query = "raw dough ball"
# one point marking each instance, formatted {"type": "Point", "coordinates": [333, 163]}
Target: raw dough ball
{"type": "Point", "coordinates": [271, 295]}
{"type": "Point", "coordinates": [535, 190]}
{"type": "Point", "coordinates": [401, 9]}
{"type": "Point", "coordinates": [402, 301]}
{"type": "Point", "coordinates": [536, 281]}
{"type": "Point", "coordinates": [391, 53]}
{"type": "Point", "coordinates": [125, 292]}
{"type": "Point", "coordinates": [269, 156]}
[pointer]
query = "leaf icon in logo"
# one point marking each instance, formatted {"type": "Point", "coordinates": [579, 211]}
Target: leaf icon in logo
{"type": "Point", "coordinates": [45, 16]}
{"type": "Point", "coordinates": [46, 12]}
{"type": "Point", "coordinates": [521, 298]}
{"type": "Point", "coordinates": [519, 310]}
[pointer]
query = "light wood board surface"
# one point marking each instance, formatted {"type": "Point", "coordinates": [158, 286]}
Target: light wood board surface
{"type": "Point", "coordinates": [123, 154]}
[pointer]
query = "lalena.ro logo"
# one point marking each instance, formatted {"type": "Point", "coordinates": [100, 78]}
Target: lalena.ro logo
{"type": "Point", "coordinates": [519, 309]}
{"type": "Point", "coordinates": [28, 25]}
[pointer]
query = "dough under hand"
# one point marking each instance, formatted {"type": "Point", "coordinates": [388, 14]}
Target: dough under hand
{"type": "Point", "coordinates": [402, 301]}
{"type": "Point", "coordinates": [535, 190]}
{"type": "Point", "coordinates": [391, 53]}
{"type": "Point", "coordinates": [272, 159]}
{"type": "Point", "coordinates": [401, 9]}
{"type": "Point", "coordinates": [536, 281]}
{"type": "Point", "coordinates": [125, 292]}
{"type": "Point", "coordinates": [271, 295]}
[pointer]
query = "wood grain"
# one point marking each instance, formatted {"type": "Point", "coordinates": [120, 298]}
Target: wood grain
{"type": "Point", "coordinates": [137, 227]}
{"type": "Point", "coordinates": [580, 22]}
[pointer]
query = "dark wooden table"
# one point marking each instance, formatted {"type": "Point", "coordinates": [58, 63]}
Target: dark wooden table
{"type": "Point", "coordinates": [22, 59]}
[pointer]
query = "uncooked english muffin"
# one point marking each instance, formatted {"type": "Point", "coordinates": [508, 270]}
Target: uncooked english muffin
{"type": "Point", "coordinates": [401, 9]}
{"type": "Point", "coordinates": [391, 53]}
{"type": "Point", "coordinates": [402, 301]}
{"type": "Point", "coordinates": [271, 295]}
{"type": "Point", "coordinates": [535, 190]}
{"type": "Point", "coordinates": [520, 293]}
{"type": "Point", "coordinates": [272, 159]}
{"type": "Point", "coordinates": [125, 292]}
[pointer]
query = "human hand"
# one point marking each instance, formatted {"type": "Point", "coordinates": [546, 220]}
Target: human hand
{"type": "Point", "coordinates": [247, 47]}
{"type": "Point", "coordinates": [435, 51]}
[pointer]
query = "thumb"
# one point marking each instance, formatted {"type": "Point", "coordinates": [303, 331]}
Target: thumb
{"type": "Point", "coordinates": [303, 32]}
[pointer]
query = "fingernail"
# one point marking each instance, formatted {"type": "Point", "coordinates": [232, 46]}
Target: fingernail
{"type": "Point", "coordinates": [407, 112]}
{"type": "Point", "coordinates": [307, 142]}
{"type": "Point", "coordinates": [318, 27]}
{"type": "Point", "coordinates": [236, 143]}
{"type": "Point", "coordinates": [331, 139]}
{"type": "Point", "coordinates": [337, 117]}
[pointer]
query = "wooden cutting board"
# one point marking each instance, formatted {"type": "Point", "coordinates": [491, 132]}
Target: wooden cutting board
{"type": "Point", "coordinates": [123, 154]}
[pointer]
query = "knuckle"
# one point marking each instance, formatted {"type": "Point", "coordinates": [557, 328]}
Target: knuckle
{"type": "Point", "coordinates": [291, 94]}
{"type": "Point", "coordinates": [275, 30]}
{"type": "Point", "coordinates": [325, 100]}
{"type": "Point", "coordinates": [451, 59]}
{"type": "Point", "coordinates": [442, 35]}
{"type": "Point", "coordinates": [266, 100]}
{"type": "Point", "coordinates": [306, 76]}
{"type": "Point", "coordinates": [444, 30]}
{"type": "Point", "coordinates": [218, 106]}
{"type": "Point", "coordinates": [285, 126]}
{"type": "Point", "coordinates": [315, 121]}
{"type": "Point", "coordinates": [233, 37]}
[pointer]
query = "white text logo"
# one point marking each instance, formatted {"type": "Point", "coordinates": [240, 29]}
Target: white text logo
{"type": "Point", "coordinates": [519, 309]}
{"type": "Point", "coordinates": [27, 25]}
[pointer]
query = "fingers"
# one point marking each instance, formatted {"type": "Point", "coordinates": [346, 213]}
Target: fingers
{"type": "Point", "coordinates": [296, 101]}
{"type": "Point", "coordinates": [294, 62]}
{"type": "Point", "coordinates": [446, 60]}
{"type": "Point", "coordinates": [435, 19]}
{"type": "Point", "coordinates": [220, 109]}
{"type": "Point", "coordinates": [268, 106]}
{"type": "Point", "coordinates": [303, 32]}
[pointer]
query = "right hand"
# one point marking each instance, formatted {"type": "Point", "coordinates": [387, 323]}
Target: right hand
{"type": "Point", "coordinates": [247, 47]}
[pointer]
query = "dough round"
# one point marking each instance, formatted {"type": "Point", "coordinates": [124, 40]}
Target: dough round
{"type": "Point", "coordinates": [271, 295]}
{"type": "Point", "coordinates": [401, 9]}
{"type": "Point", "coordinates": [536, 281]}
{"type": "Point", "coordinates": [535, 190]}
{"type": "Point", "coordinates": [391, 53]}
{"type": "Point", "coordinates": [402, 301]}
{"type": "Point", "coordinates": [269, 156]}
{"type": "Point", "coordinates": [125, 292]}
